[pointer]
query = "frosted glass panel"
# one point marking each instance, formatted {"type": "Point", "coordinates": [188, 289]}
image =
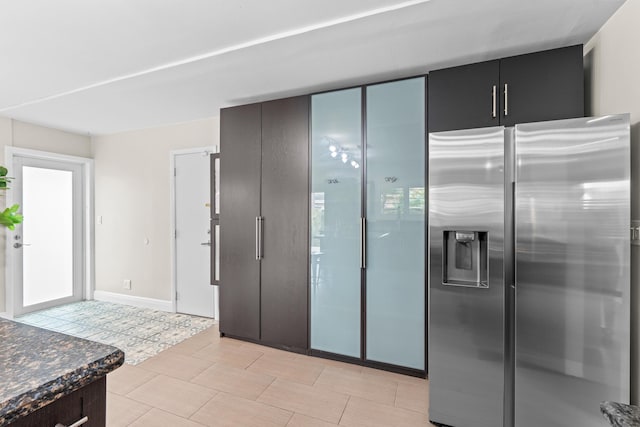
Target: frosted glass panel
{"type": "Point", "coordinates": [335, 221]}
{"type": "Point", "coordinates": [396, 223]}
{"type": "Point", "coordinates": [47, 205]}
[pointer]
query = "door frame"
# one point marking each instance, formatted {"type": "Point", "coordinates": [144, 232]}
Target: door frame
{"type": "Point", "coordinates": [88, 228]}
{"type": "Point", "coordinates": [172, 215]}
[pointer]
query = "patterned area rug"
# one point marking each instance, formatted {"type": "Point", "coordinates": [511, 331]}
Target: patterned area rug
{"type": "Point", "coordinates": [139, 332]}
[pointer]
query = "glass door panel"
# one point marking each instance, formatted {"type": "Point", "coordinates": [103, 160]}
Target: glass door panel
{"type": "Point", "coordinates": [336, 160]}
{"type": "Point", "coordinates": [48, 246]}
{"type": "Point", "coordinates": [47, 266]}
{"type": "Point", "coordinates": [395, 275]}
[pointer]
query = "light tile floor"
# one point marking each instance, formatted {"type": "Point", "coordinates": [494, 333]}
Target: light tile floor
{"type": "Point", "coordinates": [139, 332]}
{"type": "Point", "coordinates": [211, 381]}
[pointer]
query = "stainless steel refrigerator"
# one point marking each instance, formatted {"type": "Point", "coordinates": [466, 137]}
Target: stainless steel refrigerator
{"type": "Point", "coordinates": [529, 273]}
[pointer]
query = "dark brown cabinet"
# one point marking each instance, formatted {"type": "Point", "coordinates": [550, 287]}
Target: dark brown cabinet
{"type": "Point", "coordinates": [264, 214]}
{"type": "Point", "coordinates": [240, 163]}
{"type": "Point", "coordinates": [547, 85]}
{"type": "Point", "coordinates": [89, 402]}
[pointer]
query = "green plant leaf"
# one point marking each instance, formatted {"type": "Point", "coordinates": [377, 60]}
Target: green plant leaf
{"type": "Point", "coordinates": [10, 217]}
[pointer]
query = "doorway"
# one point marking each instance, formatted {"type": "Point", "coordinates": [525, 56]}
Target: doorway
{"type": "Point", "coordinates": [46, 254]}
{"type": "Point", "coordinates": [193, 236]}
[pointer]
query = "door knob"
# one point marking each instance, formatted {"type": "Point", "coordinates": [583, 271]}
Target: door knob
{"type": "Point", "coordinates": [206, 244]}
{"type": "Point", "coordinates": [19, 245]}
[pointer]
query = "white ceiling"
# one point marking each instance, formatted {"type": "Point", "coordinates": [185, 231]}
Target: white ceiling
{"type": "Point", "coordinates": [101, 67]}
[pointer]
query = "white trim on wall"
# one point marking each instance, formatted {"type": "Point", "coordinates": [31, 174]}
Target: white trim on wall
{"type": "Point", "coordinates": [88, 224]}
{"type": "Point", "coordinates": [141, 302]}
{"type": "Point", "coordinates": [172, 213]}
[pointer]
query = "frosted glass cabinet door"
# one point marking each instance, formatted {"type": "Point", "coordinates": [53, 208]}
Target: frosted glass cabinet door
{"type": "Point", "coordinates": [395, 275]}
{"type": "Point", "coordinates": [336, 183]}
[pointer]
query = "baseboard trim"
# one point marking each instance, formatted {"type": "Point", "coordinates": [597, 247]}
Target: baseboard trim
{"type": "Point", "coordinates": [142, 302]}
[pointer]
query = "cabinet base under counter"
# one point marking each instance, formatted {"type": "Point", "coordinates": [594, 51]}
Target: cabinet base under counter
{"type": "Point", "coordinates": [87, 403]}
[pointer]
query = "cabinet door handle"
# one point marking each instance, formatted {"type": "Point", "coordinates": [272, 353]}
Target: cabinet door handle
{"type": "Point", "coordinates": [506, 99]}
{"type": "Point", "coordinates": [78, 423]}
{"type": "Point", "coordinates": [261, 236]}
{"type": "Point", "coordinates": [363, 243]}
{"type": "Point", "coordinates": [214, 255]}
{"type": "Point", "coordinates": [493, 101]}
{"type": "Point", "coordinates": [257, 238]}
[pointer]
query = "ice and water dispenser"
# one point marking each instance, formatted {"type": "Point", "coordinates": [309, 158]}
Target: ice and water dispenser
{"type": "Point", "coordinates": [465, 259]}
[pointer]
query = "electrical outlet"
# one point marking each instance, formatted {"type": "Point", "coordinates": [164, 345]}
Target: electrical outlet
{"type": "Point", "coordinates": [127, 284]}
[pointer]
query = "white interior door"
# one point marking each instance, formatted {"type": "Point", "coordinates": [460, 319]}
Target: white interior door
{"type": "Point", "coordinates": [47, 247]}
{"type": "Point", "coordinates": [195, 294]}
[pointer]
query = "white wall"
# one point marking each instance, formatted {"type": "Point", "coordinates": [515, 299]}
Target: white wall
{"type": "Point", "coordinates": [132, 196]}
{"type": "Point", "coordinates": [613, 86]}
{"type": "Point", "coordinates": [26, 135]}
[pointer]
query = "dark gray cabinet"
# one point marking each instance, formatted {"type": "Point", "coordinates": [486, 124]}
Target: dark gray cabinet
{"type": "Point", "coordinates": [264, 211]}
{"type": "Point", "coordinates": [240, 164]}
{"type": "Point", "coordinates": [547, 85]}
{"type": "Point", "coordinates": [464, 97]}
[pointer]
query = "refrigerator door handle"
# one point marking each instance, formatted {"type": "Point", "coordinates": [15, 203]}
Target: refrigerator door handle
{"type": "Point", "coordinates": [506, 100]}
{"type": "Point", "coordinates": [493, 101]}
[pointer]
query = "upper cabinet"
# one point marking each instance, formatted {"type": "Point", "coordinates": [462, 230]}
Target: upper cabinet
{"type": "Point", "coordinates": [539, 86]}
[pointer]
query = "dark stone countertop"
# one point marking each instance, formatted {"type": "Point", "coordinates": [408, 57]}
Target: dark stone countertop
{"type": "Point", "coordinates": [620, 414]}
{"type": "Point", "coordinates": [38, 366]}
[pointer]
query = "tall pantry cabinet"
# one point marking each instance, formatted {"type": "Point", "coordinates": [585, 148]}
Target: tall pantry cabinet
{"type": "Point", "coordinates": [264, 220]}
{"type": "Point", "coordinates": [368, 233]}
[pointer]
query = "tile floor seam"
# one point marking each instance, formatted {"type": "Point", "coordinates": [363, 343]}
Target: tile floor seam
{"type": "Point", "coordinates": [141, 415]}
{"type": "Point", "coordinates": [246, 368]}
{"type": "Point", "coordinates": [395, 395]}
{"type": "Point", "coordinates": [140, 385]}
{"type": "Point", "coordinates": [316, 380]}
{"type": "Point", "coordinates": [344, 409]}
{"type": "Point", "coordinates": [300, 413]}
{"type": "Point", "coordinates": [202, 406]}
{"type": "Point", "coordinates": [293, 414]}
{"type": "Point", "coordinates": [265, 389]}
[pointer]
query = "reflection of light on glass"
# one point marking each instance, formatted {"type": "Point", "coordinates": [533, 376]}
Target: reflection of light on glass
{"type": "Point", "coordinates": [393, 201]}
{"type": "Point", "coordinates": [332, 148]}
{"type": "Point", "coordinates": [317, 220]}
{"type": "Point", "coordinates": [416, 200]}
{"type": "Point", "coordinates": [334, 154]}
{"type": "Point", "coordinates": [344, 157]}
{"type": "Point", "coordinates": [355, 164]}
{"type": "Point", "coordinates": [488, 164]}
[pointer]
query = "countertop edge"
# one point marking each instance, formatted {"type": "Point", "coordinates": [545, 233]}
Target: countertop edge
{"type": "Point", "coordinates": [34, 399]}
{"type": "Point", "coordinates": [620, 414]}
